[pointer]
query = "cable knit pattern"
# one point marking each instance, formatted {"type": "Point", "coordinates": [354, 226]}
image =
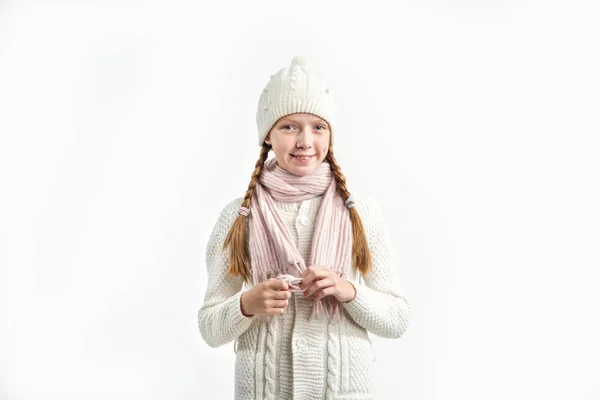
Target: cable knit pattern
{"type": "Point", "coordinates": [270, 359]}
{"type": "Point", "coordinates": [333, 360]}
{"type": "Point", "coordinates": [293, 357]}
{"type": "Point", "coordinates": [260, 366]}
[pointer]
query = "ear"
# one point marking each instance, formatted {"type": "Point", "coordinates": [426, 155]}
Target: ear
{"type": "Point", "coordinates": [268, 140]}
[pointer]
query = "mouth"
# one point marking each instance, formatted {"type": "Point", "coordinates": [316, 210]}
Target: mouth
{"type": "Point", "coordinates": [301, 157]}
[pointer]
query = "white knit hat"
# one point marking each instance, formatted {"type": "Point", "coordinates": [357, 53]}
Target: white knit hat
{"type": "Point", "coordinates": [294, 89]}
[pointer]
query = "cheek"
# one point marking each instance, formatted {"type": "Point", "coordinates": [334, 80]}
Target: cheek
{"type": "Point", "coordinates": [283, 144]}
{"type": "Point", "coordinates": [281, 150]}
{"type": "Point", "coordinates": [276, 144]}
{"type": "Point", "coordinates": [323, 145]}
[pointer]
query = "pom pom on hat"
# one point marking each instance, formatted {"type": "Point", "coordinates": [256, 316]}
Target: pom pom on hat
{"type": "Point", "coordinates": [301, 61]}
{"type": "Point", "coordinates": [297, 88]}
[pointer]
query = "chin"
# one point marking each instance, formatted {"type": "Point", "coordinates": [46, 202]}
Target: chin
{"type": "Point", "coordinates": [302, 170]}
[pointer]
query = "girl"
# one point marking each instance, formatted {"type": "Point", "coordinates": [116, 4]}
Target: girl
{"type": "Point", "coordinates": [302, 244]}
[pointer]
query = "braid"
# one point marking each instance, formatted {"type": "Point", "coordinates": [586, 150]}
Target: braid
{"type": "Point", "coordinates": [236, 237]}
{"type": "Point", "coordinates": [361, 256]}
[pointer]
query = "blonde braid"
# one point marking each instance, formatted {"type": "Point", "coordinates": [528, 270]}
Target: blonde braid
{"type": "Point", "coordinates": [361, 256]}
{"type": "Point", "coordinates": [236, 237]}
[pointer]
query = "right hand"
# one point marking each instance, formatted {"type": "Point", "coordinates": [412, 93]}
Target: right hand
{"type": "Point", "coordinates": [267, 298]}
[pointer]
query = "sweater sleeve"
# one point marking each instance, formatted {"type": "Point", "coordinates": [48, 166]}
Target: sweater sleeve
{"type": "Point", "coordinates": [380, 306]}
{"type": "Point", "coordinates": [220, 319]}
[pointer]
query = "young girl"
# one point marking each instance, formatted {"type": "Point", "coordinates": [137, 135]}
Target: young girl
{"type": "Point", "coordinates": [301, 244]}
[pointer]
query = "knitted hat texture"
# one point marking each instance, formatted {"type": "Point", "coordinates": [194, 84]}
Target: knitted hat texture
{"type": "Point", "coordinates": [298, 88]}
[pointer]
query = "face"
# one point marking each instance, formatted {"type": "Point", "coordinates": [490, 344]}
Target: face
{"type": "Point", "coordinates": [300, 142]}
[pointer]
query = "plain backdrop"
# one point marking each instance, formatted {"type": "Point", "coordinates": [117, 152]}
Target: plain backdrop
{"type": "Point", "coordinates": [127, 126]}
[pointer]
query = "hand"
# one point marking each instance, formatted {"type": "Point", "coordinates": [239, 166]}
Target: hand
{"type": "Point", "coordinates": [322, 281]}
{"type": "Point", "coordinates": [267, 298]}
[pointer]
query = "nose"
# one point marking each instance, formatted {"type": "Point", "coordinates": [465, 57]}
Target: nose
{"type": "Point", "coordinates": [304, 139]}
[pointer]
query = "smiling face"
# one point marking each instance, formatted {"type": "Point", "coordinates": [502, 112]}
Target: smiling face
{"type": "Point", "coordinates": [300, 142]}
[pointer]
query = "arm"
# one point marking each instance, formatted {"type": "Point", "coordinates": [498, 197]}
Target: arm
{"type": "Point", "coordinates": [380, 306]}
{"type": "Point", "coordinates": [220, 319]}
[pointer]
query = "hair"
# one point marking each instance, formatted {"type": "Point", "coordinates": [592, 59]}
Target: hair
{"type": "Point", "coordinates": [361, 256]}
{"type": "Point", "coordinates": [236, 237]}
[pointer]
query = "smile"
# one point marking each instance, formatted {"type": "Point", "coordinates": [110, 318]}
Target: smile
{"type": "Point", "coordinates": [302, 158]}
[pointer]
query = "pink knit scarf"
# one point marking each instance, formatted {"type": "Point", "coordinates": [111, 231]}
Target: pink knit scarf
{"type": "Point", "coordinates": [272, 249]}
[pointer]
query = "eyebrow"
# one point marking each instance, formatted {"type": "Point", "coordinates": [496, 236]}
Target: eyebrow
{"type": "Point", "coordinates": [315, 120]}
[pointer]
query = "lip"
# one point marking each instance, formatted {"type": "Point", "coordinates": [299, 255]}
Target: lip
{"type": "Point", "coordinates": [302, 155]}
{"type": "Point", "coordinates": [306, 161]}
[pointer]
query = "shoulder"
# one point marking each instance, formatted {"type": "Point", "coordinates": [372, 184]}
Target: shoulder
{"type": "Point", "coordinates": [231, 209]}
{"type": "Point", "coordinates": [367, 207]}
{"type": "Point", "coordinates": [370, 214]}
{"type": "Point", "coordinates": [227, 216]}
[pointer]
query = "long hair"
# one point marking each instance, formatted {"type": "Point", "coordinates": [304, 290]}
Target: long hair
{"type": "Point", "coordinates": [236, 237]}
{"type": "Point", "coordinates": [361, 256]}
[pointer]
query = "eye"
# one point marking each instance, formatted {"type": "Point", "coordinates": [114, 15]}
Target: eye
{"type": "Point", "coordinates": [284, 127]}
{"type": "Point", "coordinates": [323, 127]}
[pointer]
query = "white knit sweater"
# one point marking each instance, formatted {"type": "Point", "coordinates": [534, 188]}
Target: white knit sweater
{"type": "Point", "coordinates": [292, 358]}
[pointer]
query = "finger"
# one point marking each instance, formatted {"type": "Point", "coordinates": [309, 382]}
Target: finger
{"type": "Point", "coordinates": [307, 271]}
{"type": "Point", "coordinates": [319, 284]}
{"type": "Point", "coordinates": [316, 274]}
{"type": "Point", "coordinates": [312, 268]}
{"type": "Point", "coordinates": [282, 295]}
{"type": "Point", "coordinates": [307, 280]}
{"type": "Point", "coordinates": [328, 291]}
{"type": "Point", "coordinates": [277, 284]}
{"type": "Point", "coordinates": [275, 311]}
{"type": "Point", "coordinates": [276, 303]}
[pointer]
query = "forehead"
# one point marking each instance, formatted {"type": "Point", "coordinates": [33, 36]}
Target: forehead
{"type": "Point", "coordinates": [303, 117]}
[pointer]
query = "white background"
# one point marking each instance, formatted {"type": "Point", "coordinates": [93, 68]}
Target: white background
{"type": "Point", "coordinates": [126, 127]}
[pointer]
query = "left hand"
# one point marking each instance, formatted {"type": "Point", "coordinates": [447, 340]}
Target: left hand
{"type": "Point", "coordinates": [321, 281]}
